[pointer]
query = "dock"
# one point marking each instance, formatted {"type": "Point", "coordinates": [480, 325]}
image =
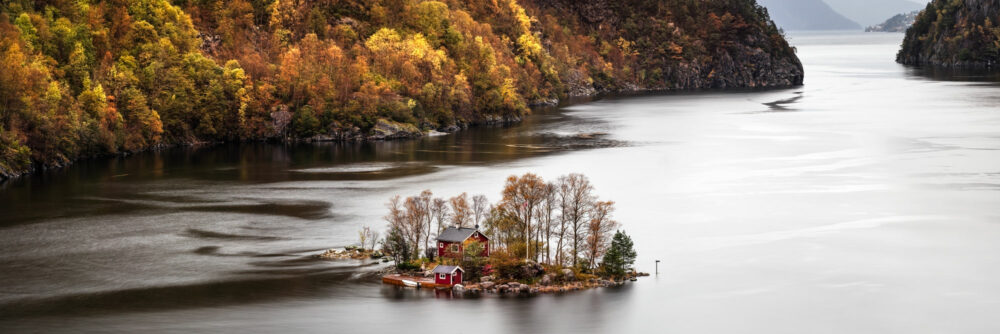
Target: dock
{"type": "Point", "coordinates": [420, 282]}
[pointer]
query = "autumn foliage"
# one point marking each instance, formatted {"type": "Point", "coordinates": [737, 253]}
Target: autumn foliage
{"type": "Point", "coordinates": [91, 77]}
{"type": "Point", "coordinates": [559, 223]}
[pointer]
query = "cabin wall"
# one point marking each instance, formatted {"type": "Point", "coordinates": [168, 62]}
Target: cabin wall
{"type": "Point", "coordinates": [443, 249]}
{"type": "Point", "coordinates": [442, 281]}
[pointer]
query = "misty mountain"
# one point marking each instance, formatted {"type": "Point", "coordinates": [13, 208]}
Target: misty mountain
{"type": "Point", "coordinates": [870, 12]}
{"type": "Point", "coordinates": [808, 15]}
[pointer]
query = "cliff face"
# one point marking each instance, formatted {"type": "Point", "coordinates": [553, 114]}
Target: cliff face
{"type": "Point", "coordinates": [959, 33]}
{"type": "Point", "coordinates": [698, 45]}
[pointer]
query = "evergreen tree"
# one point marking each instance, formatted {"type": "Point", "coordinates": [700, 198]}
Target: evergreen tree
{"type": "Point", "coordinates": [620, 257]}
{"type": "Point", "coordinates": [396, 246]}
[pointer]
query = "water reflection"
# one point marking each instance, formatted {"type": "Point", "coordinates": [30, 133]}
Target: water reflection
{"type": "Point", "coordinates": [990, 77]}
{"type": "Point", "coordinates": [78, 190]}
{"type": "Point", "coordinates": [869, 208]}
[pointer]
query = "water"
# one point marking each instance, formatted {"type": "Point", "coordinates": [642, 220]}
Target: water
{"type": "Point", "coordinates": [865, 201]}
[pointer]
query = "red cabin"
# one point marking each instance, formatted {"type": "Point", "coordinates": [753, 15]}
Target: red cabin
{"type": "Point", "coordinates": [448, 275]}
{"type": "Point", "coordinates": [452, 241]}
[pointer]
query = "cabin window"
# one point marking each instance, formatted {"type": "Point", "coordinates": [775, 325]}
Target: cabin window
{"type": "Point", "coordinates": [440, 245]}
{"type": "Point", "coordinates": [454, 248]}
{"type": "Point", "coordinates": [442, 276]}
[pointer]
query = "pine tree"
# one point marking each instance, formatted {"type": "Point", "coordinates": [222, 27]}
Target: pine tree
{"type": "Point", "coordinates": [620, 257]}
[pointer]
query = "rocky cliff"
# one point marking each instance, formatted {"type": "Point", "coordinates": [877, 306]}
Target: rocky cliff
{"type": "Point", "coordinates": [688, 45]}
{"type": "Point", "coordinates": [954, 33]}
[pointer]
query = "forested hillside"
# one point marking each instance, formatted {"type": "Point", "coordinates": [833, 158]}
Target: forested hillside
{"type": "Point", "coordinates": [85, 78]}
{"type": "Point", "coordinates": [954, 33]}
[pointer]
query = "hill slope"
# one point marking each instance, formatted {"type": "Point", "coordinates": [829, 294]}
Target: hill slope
{"type": "Point", "coordinates": [86, 78]}
{"type": "Point", "coordinates": [954, 33]}
{"type": "Point", "coordinates": [897, 23]}
{"type": "Point", "coordinates": [807, 15]}
{"type": "Point", "coordinates": [872, 12]}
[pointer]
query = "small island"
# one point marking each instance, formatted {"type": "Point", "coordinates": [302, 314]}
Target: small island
{"type": "Point", "coordinates": [540, 237]}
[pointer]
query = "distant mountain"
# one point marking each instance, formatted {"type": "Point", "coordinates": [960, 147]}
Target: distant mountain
{"type": "Point", "coordinates": [806, 15]}
{"type": "Point", "coordinates": [870, 12]}
{"type": "Point", "coordinates": [898, 23]}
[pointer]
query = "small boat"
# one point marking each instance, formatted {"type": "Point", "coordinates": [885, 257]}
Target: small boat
{"type": "Point", "coordinates": [410, 283]}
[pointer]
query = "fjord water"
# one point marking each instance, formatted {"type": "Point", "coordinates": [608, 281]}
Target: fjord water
{"type": "Point", "coordinates": [865, 201]}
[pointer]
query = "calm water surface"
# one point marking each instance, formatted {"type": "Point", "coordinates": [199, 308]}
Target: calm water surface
{"type": "Point", "coordinates": [866, 201]}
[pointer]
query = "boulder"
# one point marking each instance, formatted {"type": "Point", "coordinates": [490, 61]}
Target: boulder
{"type": "Point", "coordinates": [568, 274]}
{"type": "Point", "coordinates": [503, 288]}
{"type": "Point", "coordinates": [532, 269]}
{"type": "Point", "coordinates": [487, 285]}
{"type": "Point", "coordinates": [546, 279]}
{"type": "Point", "coordinates": [486, 279]}
{"type": "Point", "coordinates": [458, 288]}
{"type": "Point", "coordinates": [386, 129]}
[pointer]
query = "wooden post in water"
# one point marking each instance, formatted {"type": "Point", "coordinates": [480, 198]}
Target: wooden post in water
{"type": "Point", "coordinates": [657, 267]}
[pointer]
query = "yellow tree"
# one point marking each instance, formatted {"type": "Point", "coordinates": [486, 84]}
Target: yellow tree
{"type": "Point", "coordinates": [521, 195]}
{"type": "Point", "coordinates": [599, 230]}
{"type": "Point", "coordinates": [461, 213]}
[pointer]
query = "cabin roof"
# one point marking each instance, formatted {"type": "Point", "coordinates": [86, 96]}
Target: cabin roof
{"type": "Point", "coordinates": [447, 269]}
{"type": "Point", "coordinates": [456, 234]}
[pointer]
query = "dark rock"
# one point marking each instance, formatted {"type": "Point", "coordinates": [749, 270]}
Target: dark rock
{"type": "Point", "coordinates": [546, 279]}
{"type": "Point", "coordinates": [531, 269]}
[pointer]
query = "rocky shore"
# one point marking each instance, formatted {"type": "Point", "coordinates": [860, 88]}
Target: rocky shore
{"type": "Point", "coordinates": [563, 281]}
{"type": "Point", "coordinates": [351, 253]}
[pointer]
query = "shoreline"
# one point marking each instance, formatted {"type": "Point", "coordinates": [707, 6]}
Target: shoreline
{"type": "Point", "coordinates": [378, 136]}
{"type": "Point", "coordinates": [549, 281]}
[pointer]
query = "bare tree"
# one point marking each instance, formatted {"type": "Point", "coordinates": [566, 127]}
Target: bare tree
{"type": "Point", "coordinates": [480, 208]}
{"type": "Point", "coordinates": [545, 216]}
{"type": "Point", "coordinates": [364, 235]}
{"type": "Point", "coordinates": [373, 240]}
{"type": "Point", "coordinates": [599, 230]}
{"type": "Point", "coordinates": [424, 202]}
{"type": "Point", "coordinates": [415, 223]}
{"type": "Point", "coordinates": [439, 210]}
{"type": "Point", "coordinates": [461, 213]}
{"type": "Point", "coordinates": [281, 118]}
{"type": "Point", "coordinates": [576, 197]}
